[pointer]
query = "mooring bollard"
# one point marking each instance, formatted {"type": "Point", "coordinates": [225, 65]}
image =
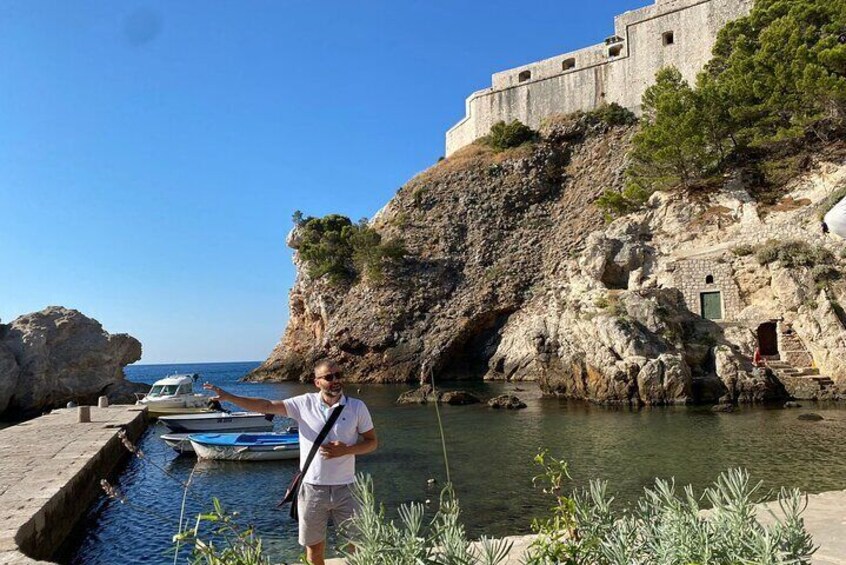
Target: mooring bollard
{"type": "Point", "coordinates": [84, 413]}
{"type": "Point", "coordinates": [103, 402]}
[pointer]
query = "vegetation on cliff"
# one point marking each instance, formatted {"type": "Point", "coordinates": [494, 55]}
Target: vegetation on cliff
{"type": "Point", "coordinates": [344, 251]}
{"type": "Point", "coordinates": [777, 74]}
{"type": "Point", "coordinates": [507, 135]}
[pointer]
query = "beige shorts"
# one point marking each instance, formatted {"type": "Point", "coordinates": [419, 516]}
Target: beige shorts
{"type": "Point", "coordinates": [317, 504]}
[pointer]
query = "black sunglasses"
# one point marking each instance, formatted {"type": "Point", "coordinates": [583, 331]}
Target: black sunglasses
{"type": "Point", "coordinates": [332, 376]}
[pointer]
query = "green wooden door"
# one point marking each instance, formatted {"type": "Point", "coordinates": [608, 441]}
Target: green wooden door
{"type": "Point", "coordinates": [711, 305]}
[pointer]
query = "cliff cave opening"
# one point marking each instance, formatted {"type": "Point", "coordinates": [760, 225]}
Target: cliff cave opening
{"type": "Point", "coordinates": [468, 355]}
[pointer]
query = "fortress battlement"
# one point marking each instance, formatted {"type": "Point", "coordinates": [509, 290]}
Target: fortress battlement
{"type": "Point", "coordinates": [679, 33]}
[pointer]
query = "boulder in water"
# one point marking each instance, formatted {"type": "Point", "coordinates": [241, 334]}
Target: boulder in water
{"type": "Point", "coordinates": [507, 401]}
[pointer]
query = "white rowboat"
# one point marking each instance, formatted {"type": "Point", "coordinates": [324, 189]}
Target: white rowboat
{"type": "Point", "coordinates": [218, 422]}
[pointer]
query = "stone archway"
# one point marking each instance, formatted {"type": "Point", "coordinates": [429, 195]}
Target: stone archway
{"type": "Point", "coordinates": [767, 338]}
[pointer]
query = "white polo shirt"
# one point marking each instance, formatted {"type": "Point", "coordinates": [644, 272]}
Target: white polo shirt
{"type": "Point", "coordinates": [311, 414]}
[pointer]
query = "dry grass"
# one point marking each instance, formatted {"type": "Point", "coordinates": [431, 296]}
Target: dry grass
{"type": "Point", "coordinates": [719, 216]}
{"type": "Point", "coordinates": [787, 204]}
{"type": "Point", "coordinates": [474, 156]}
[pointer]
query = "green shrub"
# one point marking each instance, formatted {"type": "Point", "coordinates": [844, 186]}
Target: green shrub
{"type": "Point", "coordinates": [614, 204]}
{"type": "Point", "coordinates": [236, 545]}
{"type": "Point", "coordinates": [506, 135]}
{"type": "Point", "coordinates": [793, 254]}
{"type": "Point", "coordinates": [825, 274]}
{"type": "Point", "coordinates": [666, 526]}
{"type": "Point", "coordinates": [418, 194]}
{"type": "Point", "coordinates": [413, 542]}
{"type": "Point", "coordinates": [613, 115]}
{"type": "Point", "coordinates": [743, 250]}
{"type": "Point", "coordinates": [334, 247]}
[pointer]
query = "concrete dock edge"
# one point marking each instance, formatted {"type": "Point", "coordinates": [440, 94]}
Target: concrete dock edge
{"type": "Point", "coordinates": [50, 469]}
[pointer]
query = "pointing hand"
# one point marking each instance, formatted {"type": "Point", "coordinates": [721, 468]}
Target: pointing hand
{"type": "Point", "coordinates": [218, 392]}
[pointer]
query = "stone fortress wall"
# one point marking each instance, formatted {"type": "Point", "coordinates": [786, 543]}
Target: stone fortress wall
{"type": "Point", "coordinates": [679, 33]}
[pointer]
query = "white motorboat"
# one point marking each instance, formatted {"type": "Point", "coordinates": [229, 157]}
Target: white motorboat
{"type": "Point", "coordinates": [246, 447]}
{"type": "Point", "coordinates": [174, 395]}
{"type": "Point", "coordinates": [218, 422]}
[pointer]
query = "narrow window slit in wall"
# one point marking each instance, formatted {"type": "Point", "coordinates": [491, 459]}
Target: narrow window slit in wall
{"type": "Point", "coordinates": [568, 64]}
{"type": "Point", "coordinates": [524, 76]}
{"type": "Point", "coordinates": [615, 50]}
{"type": "Point", "coordinates": [709, 279]}
{"type": "Point", "coordinates": [668, 38]}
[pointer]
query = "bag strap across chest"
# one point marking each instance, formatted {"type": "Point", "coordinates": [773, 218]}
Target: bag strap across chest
{"type": "Point", "coordinates": [333, 417]}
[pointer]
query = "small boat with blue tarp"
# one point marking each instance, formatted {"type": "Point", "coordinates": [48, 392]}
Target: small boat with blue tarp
{"type": "Point", "coordinates": [269, 446]}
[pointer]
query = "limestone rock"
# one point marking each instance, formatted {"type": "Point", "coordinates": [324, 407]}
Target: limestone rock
{"type": "Point", "coordinates": [507, 401]}
{"type": "Point", "coordinates": [9, 373]}
{"type": "Point", "coordinates": [425, 394]}
{"type": "Point", "coordinates": [420, 395]}
{"type": "Point", "coordinates": [513, 274]}
{"type": "Point", "coordinates": [458, 398]}
{"type": "Point", "coordinates": [823, 333]}
{"type": "Point", "coordinates": [664, 380]}
{"type": "Point", "coordinates": [50, 357]}
{"type": "Point", "coordinates": [743, 382]}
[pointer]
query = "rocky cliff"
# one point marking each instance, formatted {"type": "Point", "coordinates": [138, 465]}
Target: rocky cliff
{"type": "Point", "coordinates": [512, 273]}
{"type": "Point", "coordinates": [50, 357]}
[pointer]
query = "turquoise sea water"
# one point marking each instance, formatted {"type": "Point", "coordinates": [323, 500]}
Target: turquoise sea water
{"type": "Point", "coordinates": [490, 454]}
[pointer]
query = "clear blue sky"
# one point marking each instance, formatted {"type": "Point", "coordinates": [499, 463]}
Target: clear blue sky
{"type": "Point", "coordinates": [152, 153]}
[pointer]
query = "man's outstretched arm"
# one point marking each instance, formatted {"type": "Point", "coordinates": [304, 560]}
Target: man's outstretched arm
{"type": "Point", "coordinates": [262, 405]}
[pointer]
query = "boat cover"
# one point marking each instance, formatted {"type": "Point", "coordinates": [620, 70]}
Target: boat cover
{"type": "Point", "coordinates": [236, 439]}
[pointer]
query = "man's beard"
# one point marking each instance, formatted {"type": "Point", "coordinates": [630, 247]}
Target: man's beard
{"type": "Point", "coordinates": [333, 393]}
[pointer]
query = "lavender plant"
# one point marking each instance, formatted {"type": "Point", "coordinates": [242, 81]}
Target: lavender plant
{"type": "Point", "coordinates": [414, 542]}
{"type": "Point", "coordinates": [667, 527]}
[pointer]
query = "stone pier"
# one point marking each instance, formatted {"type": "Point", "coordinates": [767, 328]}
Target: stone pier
{"type": "Point", "coordinates": [50, 469]}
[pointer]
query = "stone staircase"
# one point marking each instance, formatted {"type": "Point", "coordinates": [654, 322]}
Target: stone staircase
{"type": "Point", "coordinates": [793, 367]}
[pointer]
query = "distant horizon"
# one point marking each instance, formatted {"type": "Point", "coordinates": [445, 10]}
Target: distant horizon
{"type": "Point", "coordinates": [139, 363]}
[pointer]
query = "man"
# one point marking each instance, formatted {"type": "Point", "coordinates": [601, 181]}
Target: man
{"type": "Point", "coordinates": [326, 488]}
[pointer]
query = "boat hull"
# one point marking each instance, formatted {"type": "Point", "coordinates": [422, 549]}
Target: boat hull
{"type": "Point", "coordinates": [217, 421]}
{"type": "Point", "coordinates": [179, 442]}
{"type": "Point", "coordinates": [155, 411]}
{"type": "Point", "coordinates": [246, 447]}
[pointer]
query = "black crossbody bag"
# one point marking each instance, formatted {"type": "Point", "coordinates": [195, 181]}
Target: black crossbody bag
{"type": "Point", "coordinates": [294, 487]}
